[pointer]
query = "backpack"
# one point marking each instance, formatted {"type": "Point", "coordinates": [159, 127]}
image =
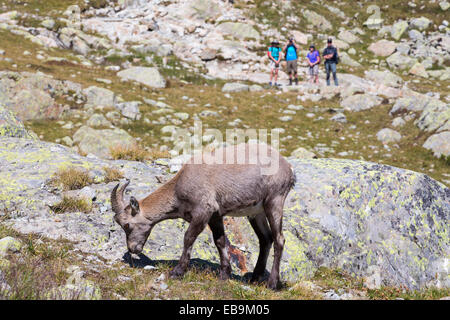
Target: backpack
{"type": "Point", "coordinates": [287, 48]}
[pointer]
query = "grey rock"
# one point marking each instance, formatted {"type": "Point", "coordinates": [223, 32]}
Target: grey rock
{"type": "Point", "coordinates": [302, 153]}
{"type": "Point", "coordinates": [9, 245]}
{"type": "Point", "coordinates": [239, 30]}
{"type": "Point", "coordinates": [384, 77]}
{"type": "Point", "coordinates": [398, 122]}
{"type": "Point", "coordinates": [339, 117]}
{"type": "Point", "coordinates": [398, 29]}
{"type": "Point", "coordinates": [317, 20]}
{"type": "Point", "coordinates": [98, 120]}
{"type": "Point", "coordinates": [235, 87]}
{"type": "Point", "coordinates": [421, 23]}
{"type": "Point", "coordinates": [400, 61]}
{"type": "Point", "coordinates": [99, 142]}
{"type": "Point", "coordinates": [147, 76]}
{"type": "Point", "coordinates": [361, 102]}
{"type": "Point", "coordinates": [97, 96]}
{"type": "Point", "coordinates": [130, 109]}
{"type": "Point", "coordinates": [439, 143]}
{"type": "Point", "coordinates": [11, 126]}
{"type": "Point", "coordinates": [387, 135]}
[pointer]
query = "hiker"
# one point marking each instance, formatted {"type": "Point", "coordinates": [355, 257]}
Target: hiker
{"type": "Point", "coordinates": [330, 54]}
{"type": "Point", "coordinates": [275, 58]}
{"type": "Point", "coordinates": [313, 58]}
{"type": "Point", "coordinates": [290, 50]}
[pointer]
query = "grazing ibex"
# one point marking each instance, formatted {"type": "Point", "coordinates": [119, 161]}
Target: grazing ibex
{"type": "Point", "coordinates": [203, 192]}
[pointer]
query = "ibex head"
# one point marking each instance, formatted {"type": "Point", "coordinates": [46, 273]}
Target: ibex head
{"type": "Point", "coordinates": [129, 216]}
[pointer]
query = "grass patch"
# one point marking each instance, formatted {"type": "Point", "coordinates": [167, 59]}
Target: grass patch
{"type": "Point", "coordinates": [136, 153]}
{"type": "Point", "coordinates": [71, 204]}
{"type": "Point", "coordinates": [390, 293]}
{"type": "Point", "coordinates": [71, 178]}
{"type": "Point", "coordinates": [112, 174]}
{"type": "Point", "coordinates": [37, 269]}
{"type": "Point", "coordinates": [336, 279]}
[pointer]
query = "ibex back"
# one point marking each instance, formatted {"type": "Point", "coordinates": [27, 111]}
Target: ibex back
{"type": "Point", "coordinates": [204, 193]}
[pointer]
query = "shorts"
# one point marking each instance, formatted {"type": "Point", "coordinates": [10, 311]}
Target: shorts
{"type": "Point", "coordinates": [272, 65]}
{"type": "Point", "coordinates": [314, 70]}
{"type": "Point", "coordinates": [292, 66]}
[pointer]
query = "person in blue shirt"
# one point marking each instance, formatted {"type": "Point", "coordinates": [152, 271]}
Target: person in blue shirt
{"type": "Point", "coordinates": [313, 58]}
{"type": "Point", "coordinates": [290, 50]}
{"type": "Point", "coordinates": [275, 58]}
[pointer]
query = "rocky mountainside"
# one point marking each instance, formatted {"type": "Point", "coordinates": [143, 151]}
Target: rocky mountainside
{"type": "Point", "coordinates": [103, 87]}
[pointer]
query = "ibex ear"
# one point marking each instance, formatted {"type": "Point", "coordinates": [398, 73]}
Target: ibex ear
{"type": "Point", "coordinates": [134, 205]}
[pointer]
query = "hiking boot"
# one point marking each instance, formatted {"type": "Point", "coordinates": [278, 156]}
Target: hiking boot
{"type": "Point", "coordinates": [290, 82]}
{"type": "Point", "coordinates": [270, 84]}
{"type": "Point", "coordinates": [296, 82]}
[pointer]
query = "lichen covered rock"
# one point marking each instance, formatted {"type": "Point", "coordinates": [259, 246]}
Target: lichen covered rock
{"type": "Point", "coordinates": [385, 224]}
{"type": "Point", "coordinates": [10, 126]}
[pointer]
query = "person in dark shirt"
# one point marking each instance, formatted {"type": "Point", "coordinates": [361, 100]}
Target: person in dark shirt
{"type": "Point", "coordinates": [330, 55]}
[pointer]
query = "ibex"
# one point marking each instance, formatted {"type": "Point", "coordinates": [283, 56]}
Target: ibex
{"type": "Point", "coordinates": [204, 193]}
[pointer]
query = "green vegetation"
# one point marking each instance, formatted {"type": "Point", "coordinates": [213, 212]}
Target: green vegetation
{"type": "Point", "coordinates": [136, 153]}
{"type": "Point", "coordinates": [71, 178]}
{"type": "Point", "coordinates": [112, 174]}
{"type": "Point", "coordinates": [72, 204]}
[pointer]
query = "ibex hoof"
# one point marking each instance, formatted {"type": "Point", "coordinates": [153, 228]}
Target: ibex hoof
{"type": "Point", "coordinates": [176, 273]}
{"type": "Point", "coordinates": [273, 284]}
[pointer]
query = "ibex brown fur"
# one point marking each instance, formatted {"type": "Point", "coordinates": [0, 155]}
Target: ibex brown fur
{"type": "Point", "coordinates": [203, 194]}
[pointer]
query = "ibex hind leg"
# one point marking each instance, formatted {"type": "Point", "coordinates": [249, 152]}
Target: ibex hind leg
{"type": "Point", "coordinates": [274, 213]}
{"type": "Point", "coordinates": [262, 230]}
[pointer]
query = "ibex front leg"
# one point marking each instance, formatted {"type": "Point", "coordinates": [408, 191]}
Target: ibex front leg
{"type": "Point", "coordinates": [198, 223]}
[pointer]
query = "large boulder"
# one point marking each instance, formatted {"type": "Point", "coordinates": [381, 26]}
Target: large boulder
{"type": "Point", "coordinates": [385, 224]}
{"type": "Point", "coordinates": [97, 96]}
{"type": "Point", "coordinates": [32, 96]}
{"type": "Point", "coordinates": [202, 9]}
{"type": "Point", "coordinates": [99, 142]}
{"type": "Point", "coordinates": [385, 77]}
{"type": "Point", "coordinates": [147, 76]}
{"type": "Point", "coordinates": [301, 37]}
{"type": "Point", "coordinates": [383, 48]}
{"type": "Point", "coordinates": [421, 23]}
{"type": "Point", "coordinates": [317, 20]}
{"type": "Point", "coordinates": [35, 104]}
{"type": "Point", "coordinates": [400, 61]}
{"type": "Point", "coordinates": [412, 102]}
{"type": "Point", "coordinates": [239, 30]}
{"type": "Point", "coordinates": [359, 102]}
{"type": "Point", "coordinates": [348, 36]}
